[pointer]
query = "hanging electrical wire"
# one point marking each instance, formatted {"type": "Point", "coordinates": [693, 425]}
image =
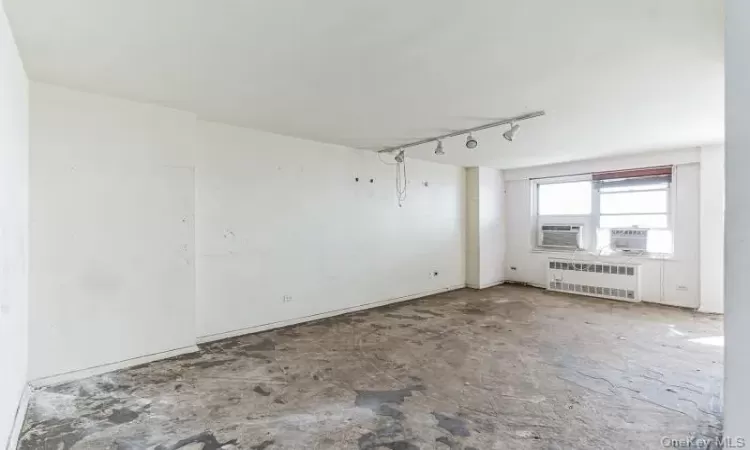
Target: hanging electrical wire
{"type": "Point", "coordinates": [401, 179]}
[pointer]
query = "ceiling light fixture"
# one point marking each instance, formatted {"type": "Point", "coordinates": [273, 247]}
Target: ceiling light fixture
{"type": "Point", "coordinates": [470, 141]}
{"type": "Point", "coordinates": [399, 157]}
{"type": "Point", "coordinates": [511, 134]}
{"type": "Point", "coordinates": [439, 149]}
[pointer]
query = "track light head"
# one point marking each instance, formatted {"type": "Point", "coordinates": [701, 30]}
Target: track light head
{"type": "Point", "coordinates": [399, 156]}
{"type": "Point", "coordinates": [471, 143]}
{"type": "Point", "coordinates": [511, 134]}
{"type": "Point", "coordinates": [439, 149]}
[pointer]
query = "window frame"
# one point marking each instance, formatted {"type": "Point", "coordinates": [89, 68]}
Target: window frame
{"type": "Point", "coordinates": [668, 190]}
{"type": "Point", "coordinates": [579, 219]}
{"type": "Point", "coordinates": [591, 222]}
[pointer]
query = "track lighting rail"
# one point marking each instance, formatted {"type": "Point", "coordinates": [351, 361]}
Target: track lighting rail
{"type": "Point", "coordinates": [498, 123]}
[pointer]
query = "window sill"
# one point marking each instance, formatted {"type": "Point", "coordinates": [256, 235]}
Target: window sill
{"type": "Point", "coordinates": [585, 255]}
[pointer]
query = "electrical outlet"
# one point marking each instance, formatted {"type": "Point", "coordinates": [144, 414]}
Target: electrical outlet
{"type": "Point", "coordinates": [513, 268]}
{"type": "Point", "coordinates": [287, 299]}
{"type": "Point", "coordinates": [434, 274]}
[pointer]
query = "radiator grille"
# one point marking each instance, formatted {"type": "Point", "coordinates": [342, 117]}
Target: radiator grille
{"type": "Point", "coordinates": [595, 278]}
{"type": "Point", "coordinates": [611, 269]}
{"type": "Point", "coordinates": [599, 291]}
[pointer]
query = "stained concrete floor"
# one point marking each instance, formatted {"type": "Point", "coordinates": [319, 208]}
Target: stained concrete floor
{"type": "Point", "coordinates": [507, 367]}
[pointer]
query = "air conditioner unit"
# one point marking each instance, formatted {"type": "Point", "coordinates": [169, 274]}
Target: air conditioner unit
{"type": "Point", "coordinates": [628, 239]}
{"type": "Point", "coordinates": [561, 236]}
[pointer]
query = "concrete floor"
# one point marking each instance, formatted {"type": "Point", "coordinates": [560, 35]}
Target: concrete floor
{"type": "Point", "coordinates": [506, 367]}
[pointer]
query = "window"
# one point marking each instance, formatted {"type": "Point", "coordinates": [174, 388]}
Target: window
{"type": "Point", "coordinates": [637, 205]}
{"type": "Point", "coordinates": [565, 199]}
{"type": "Point", "coordinates": [600, 202]}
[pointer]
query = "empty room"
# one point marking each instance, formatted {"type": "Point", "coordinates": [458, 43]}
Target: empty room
{"type": "Point", "coordinates": [345, 224]}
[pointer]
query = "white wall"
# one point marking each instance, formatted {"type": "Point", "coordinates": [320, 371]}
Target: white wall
{"type": "Point", "coordinates": [712, 229]}
{"type": "Point", "coordinates": [491, 226]}
{"type": "Point", "coordinates": [673, 281]}
{"type": "Point", "coordinates": [485, 219]}
{"type": "Point", "coordinates": [114, 198]}
{"type": "Point", "coordinates": [112, 232]}
{"type": "Point", "coordinates": [278, 216]}
{"type": "Point", "coordinates": [473, 263]}
{"type": "Point", "coordinates": [737, 245]}
{"type": "Point", "coordinates": [14, 158]}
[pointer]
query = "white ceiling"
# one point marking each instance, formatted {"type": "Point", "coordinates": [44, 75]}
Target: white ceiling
{"type": "Point", "coordinates": [613, 75]}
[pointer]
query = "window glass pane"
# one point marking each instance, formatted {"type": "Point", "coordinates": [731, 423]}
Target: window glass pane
{"type": "Point", "coordinates": [634, 202]}
{"type": "Point", "coordinates": [559, 199]}
{"type": "Point", "coordinates": [634, 220]}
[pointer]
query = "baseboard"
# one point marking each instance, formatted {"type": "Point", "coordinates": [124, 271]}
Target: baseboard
{"type": "Point", "coordinates": [98, 370]}
{"type": "Point", "coordinates": [23, 406]}
{"type": "Point", "coordinates": [333, 313]}
{"type": "Point", "coordinates": [525, 283]}
{"type": "Point", "coordinates": [485, 285]}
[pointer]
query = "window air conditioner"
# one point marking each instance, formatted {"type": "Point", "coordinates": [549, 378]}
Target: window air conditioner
{"type": "Point", "coordinates": [567, 237]}
{"type": "Point", "coordinates": [628, 239]}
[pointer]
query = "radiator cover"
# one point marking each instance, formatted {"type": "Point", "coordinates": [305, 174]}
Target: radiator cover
{"type": "Point", "coordinates": [595, 278]}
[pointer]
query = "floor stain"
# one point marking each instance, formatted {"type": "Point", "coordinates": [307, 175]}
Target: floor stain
{"type": "Point", "coordinates": [453, 425]}
{"type": "Point", "coordinates": [207, 438]}
{"type": "Point", "coordinates": [263, 445]}
{"type": "Point", "coordinates": [445, 440]}
{"type": "Point", "coordinates": [123, 415]}
{"type": "Point", "coordinates": [389, 436]}
{"type": "Point", "coordinates": [260, 390]}
{"type": "Point", "coordinates": [376, 400]}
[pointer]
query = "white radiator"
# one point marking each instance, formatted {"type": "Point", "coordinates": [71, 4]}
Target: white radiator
{"type": "Point", "coordinates": [595, 278]}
